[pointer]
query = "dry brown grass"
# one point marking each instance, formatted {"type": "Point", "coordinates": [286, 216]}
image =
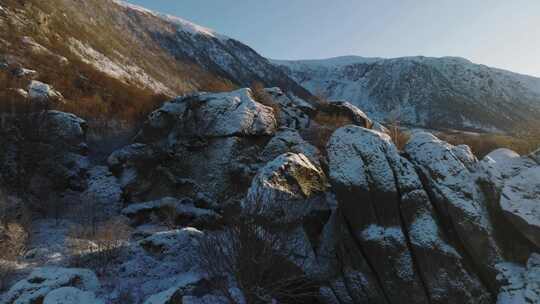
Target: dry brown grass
{"type": "Point", "coordinates": [262, 97]}
{"type": "Point", "coordinates": [483, 144]}
{"type": "Point", "coordinates": [96, 246]}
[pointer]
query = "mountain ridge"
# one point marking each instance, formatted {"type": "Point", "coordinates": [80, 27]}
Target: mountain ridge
{"type": "Point", "coordinates": [427, 89]}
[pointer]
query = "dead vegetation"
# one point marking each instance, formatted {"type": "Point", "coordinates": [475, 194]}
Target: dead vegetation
{"type": "Point", "coordinates": [262, 97]}
{"type": "Point", "coordinates": [97, 245]}
{"type": "Point", "coordinates": [483, 144]}
{"type": "Point", "coordinates": [259, 260]}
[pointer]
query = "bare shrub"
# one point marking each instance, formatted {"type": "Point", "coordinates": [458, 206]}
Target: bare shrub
{"type": "Point", "coordinates": [97, 247]}
{"type": "Point", "coordinates": [15, 224]}
{"type": "Point", "coordinates": [262, 97]}
{"type": "Point", "coordinates": [259, 260]}
{"type": "Point", "coordinates": [318, 135]}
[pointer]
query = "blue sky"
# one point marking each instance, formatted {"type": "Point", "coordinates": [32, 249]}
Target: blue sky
{"type": "Point", "coordinates": [500, 33]}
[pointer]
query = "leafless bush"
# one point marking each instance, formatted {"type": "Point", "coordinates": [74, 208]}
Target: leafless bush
{"type": "Point", "coordinates": [262, 97]}
{"type": "Point", "coordinates": [15, 224]}
{"type": "Point", "coordinates": [399, 137]}
{"type": "Point", "coordinates": [96, 247]}
{"type": "Point", "coordinates": [259, 260]}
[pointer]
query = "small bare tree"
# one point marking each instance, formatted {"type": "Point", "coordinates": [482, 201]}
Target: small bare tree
{"type": "Point", "coordinates": [258, 259]}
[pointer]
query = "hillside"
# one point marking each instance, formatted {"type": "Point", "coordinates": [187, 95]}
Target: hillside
{"type": "Point", "coordinates": [443, 92]}
{"type": "Point", "coordinates": [115, 59]}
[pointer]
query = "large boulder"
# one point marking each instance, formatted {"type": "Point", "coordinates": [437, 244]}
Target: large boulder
{"type": "Point", "coordinates": [289, 140]}
{"type": "Point", "coordinates": [389, 213]}
{"type": "Point", "coordinates": [211, 115]}
{"type": "Point", "coordinates": [211, 139]}
{"type": "Point", "coordinates": [41, 282]}
{"type": "Point", "coordinates": [520, 202]}
{"type": "Point", "coordinates": [43, 93]}
{"type": "Point", "coordinates": [294, 113]}
{"type": "Point", "coordinates": [462, 207]}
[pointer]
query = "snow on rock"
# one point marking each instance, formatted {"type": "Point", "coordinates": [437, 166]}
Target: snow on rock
{"type": "Point", "coordinates": [103, 189]}
{"type": "Point", "coordinates": [294, 112]}
{"type": "Point", "coordinates": [520, 201]}
{"type": "Point", "coordinates": [171, 209]}
{"type": "Point", "coordinates": [520, 285]}
{"type": "Point", "coordinates": [289, 140]}
{"type": "Point", "coordinates": [502, 164]}
{"type": "Point", "coordinates": [167, 242]}
{"type": "Point", "coordinates": [282, 189]}
{"type": "Point", "coordinates": [442, 268]}
{"type": "Point", "coordinates": [362, 164]}
{"type": "Point", "coordinates": [71, 295]}
{"type": "Point", "coordinates": [457, 198]}
{"type": "Point", "coordinates": [42, 281]}
{"type": "Point", "coordinates": [66, 127]}
{"type": "Point", "coordinates": [214, 115]}
{"type": "Point", "coordinates": [42, 92]}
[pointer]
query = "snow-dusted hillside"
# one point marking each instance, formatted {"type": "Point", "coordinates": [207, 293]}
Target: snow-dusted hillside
{"type": "Point", "coordinates": [431, 92]}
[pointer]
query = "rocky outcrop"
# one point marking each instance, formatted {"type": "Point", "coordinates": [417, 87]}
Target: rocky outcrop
{"type": "Point", "coordinates": [461, 205]}
{"type": "Point", "coordinates": [42, 283]}
{"type": "Point", "coordinates": [173, 212]}
{"type": "Point", "coordinates": [389, 214]}
{"type": "Point", "coordinates": [520, 201]}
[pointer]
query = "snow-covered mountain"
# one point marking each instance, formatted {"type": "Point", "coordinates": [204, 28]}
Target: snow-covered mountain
{"type": "Point", "coordinates": [446, 92]}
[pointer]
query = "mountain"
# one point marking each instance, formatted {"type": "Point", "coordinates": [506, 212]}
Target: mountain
{"type": "Point", "coordinates": [103, 53]}
{"type": "Point", "coordinates": [446, 92]}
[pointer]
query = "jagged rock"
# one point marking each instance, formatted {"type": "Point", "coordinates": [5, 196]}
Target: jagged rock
{"type": "Point", "coordinates": [344, 266]}
{"type": "Point", "coordinates": [362, 174]}
{"type": "Point", "coordinates": [212, 139]}
{"type": "Point", "coordinates": [43, 281]}
{"type": "Point", "coordinates": [442, 269]}
{"type": "Point", "coordinates": [344, 112]}
{"type": "Point", "coordinates": [288, 194]}
{"type": "Point", "coordinates": [520, 202]}
{"type": "Point", "coordinates": [282, 189]}
{"type": "Point", "coordinates": [211, 115]}
{"type": "Point", "coordinates": [175, 211]}
{"type": "Point", "coordinates": [295, 113]}
{"type": "Point", "coordinates": [71, 295]}
{"type": "Point", "coordinates": [103, 190]}
{"type": "Point", "coordinates": [289, 140]}
{"type": "Point", "coordinates": [520, 284]}
{"type": "Point", "coordinates": [461, 206]}
{"type": "Point", "coordinates": [43, 93]}
{"type": "Point", "coordinates": [66, 128]}
{"type": "Point", "coordinates": [503, 164]}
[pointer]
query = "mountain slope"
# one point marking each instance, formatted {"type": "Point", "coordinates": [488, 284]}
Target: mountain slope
{"type": "Point", "coordinates": [444, 92]}
{"type": "Point", "coordinates": [118, 51]}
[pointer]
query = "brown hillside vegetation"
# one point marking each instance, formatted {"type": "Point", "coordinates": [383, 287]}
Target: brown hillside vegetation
{"type": "Point", "coordinates": [90, 92]}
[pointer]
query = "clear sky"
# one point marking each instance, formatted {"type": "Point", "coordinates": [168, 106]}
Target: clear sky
{"type": "Point", "coordinates": [500, 33]}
